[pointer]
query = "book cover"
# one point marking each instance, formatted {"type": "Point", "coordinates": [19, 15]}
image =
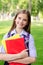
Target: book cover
{"type": "Point", "coordinates": [14, 45]}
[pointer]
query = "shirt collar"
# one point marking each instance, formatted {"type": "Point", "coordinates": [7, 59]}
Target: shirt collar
{"type": "Point", "coordinates": [13, 32]}
{"type": "Point", "coordinates": [22, 33]}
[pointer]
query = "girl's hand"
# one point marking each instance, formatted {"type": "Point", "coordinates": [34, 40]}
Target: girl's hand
{"type": "Point", "coordinates": [24, 53]}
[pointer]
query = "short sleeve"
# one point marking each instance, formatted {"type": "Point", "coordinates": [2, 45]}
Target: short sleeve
{"type": "Point", "coordinates": [32, 49]}
{"type": "Point", "coordinates": [2, 49]}
{"type": "Point", "coordinates": [5, 36]}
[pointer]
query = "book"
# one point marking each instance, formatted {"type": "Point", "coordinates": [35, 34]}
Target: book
{"type": "Point", "coordinates": [14, 45]}
{"type": "Point", "coordinates": [12, 37]}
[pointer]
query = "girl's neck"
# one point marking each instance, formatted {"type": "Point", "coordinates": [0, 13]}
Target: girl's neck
{"type": "Point", "coordinates": [18, 30]}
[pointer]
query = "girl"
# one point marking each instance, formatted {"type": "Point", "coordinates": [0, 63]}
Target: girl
{"type": "Point", "coordinates": [21, 25]}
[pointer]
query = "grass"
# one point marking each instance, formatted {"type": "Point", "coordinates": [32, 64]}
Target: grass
{"type": "Point", "coordinates": [36, 31]}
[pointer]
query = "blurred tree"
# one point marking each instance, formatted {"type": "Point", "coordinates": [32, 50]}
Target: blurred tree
{"type": "Point", "coordinates": [30, 5]}
{"type": "Point", "coordinates": [5, 5]}
{"type": "Point", "coordinates": [0, 5]}
{"type": "Point", "coordinates": [23, 4]}
{"type": "Point", "coordinates": [35, 6]}
{"type": "Point", "coordinates": [41, 6]}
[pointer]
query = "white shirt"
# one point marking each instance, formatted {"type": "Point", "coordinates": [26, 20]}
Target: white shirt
{"type": "Point", "coordinates": [32, 49]}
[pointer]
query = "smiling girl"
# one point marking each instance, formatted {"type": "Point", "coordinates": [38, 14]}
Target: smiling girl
{"type": "Point", "coordinates": [21, 25]}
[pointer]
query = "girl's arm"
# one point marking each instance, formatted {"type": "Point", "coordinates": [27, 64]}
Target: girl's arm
{"type": "Point", "coordinates": [32, 52]}
{"type": "Point", "coordinates": [26, 60]}
{"type": "Point", "coordinates": [9, 57]}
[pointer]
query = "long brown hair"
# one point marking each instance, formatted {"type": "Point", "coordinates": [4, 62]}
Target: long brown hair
{"type": "Point", "coordinates": [27, 27]}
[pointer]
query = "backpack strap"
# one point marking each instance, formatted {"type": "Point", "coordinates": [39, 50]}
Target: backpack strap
{"type": "Point", "coordinates": [26, 38]}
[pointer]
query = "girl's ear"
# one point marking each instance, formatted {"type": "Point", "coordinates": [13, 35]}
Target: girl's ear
{"type": "Point", "coordinates": [15, 20]}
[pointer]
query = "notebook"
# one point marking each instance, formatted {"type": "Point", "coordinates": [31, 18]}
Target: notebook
{"type": "Point", "coordinates": [14, 45]}
{"type": "Point", "coordinates": [12, 37]}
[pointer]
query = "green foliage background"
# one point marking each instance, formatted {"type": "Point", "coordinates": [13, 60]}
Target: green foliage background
{"type": "Point", "coordinates": [12, 5]}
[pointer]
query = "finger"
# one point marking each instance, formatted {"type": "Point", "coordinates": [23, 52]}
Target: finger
{"type": "Point", "coordinates": [26, 50]}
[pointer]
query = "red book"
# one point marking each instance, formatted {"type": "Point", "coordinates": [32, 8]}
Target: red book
{"type": "Point", "coordinates": [15, 46]}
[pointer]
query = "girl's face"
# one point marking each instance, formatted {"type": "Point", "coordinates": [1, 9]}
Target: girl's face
{"type": "Point", "coordinates": [21, 20]}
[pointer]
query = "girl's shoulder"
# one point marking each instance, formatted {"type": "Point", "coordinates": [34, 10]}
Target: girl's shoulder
{"type": "Point", "coordinates": [5, 36]}
{"type": "Point", "coordinates": [31, 36]}
{"type": "Point", "coordinates": [27, 34]}
{"type": "Point", "coordinates": [8, 33]}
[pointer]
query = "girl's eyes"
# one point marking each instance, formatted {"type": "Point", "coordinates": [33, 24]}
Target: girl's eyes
{"type": "Point", "coordinates": [19, 17]}
{"type": "Point", "coordinates": [23, 19]}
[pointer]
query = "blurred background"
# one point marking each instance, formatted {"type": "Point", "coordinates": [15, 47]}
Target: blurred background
{"type": "Point", "coordinates": [8, 8]}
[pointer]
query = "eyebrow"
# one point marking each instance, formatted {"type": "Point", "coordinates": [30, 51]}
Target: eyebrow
{"type": "Point", "coordinates": [25, 19]}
